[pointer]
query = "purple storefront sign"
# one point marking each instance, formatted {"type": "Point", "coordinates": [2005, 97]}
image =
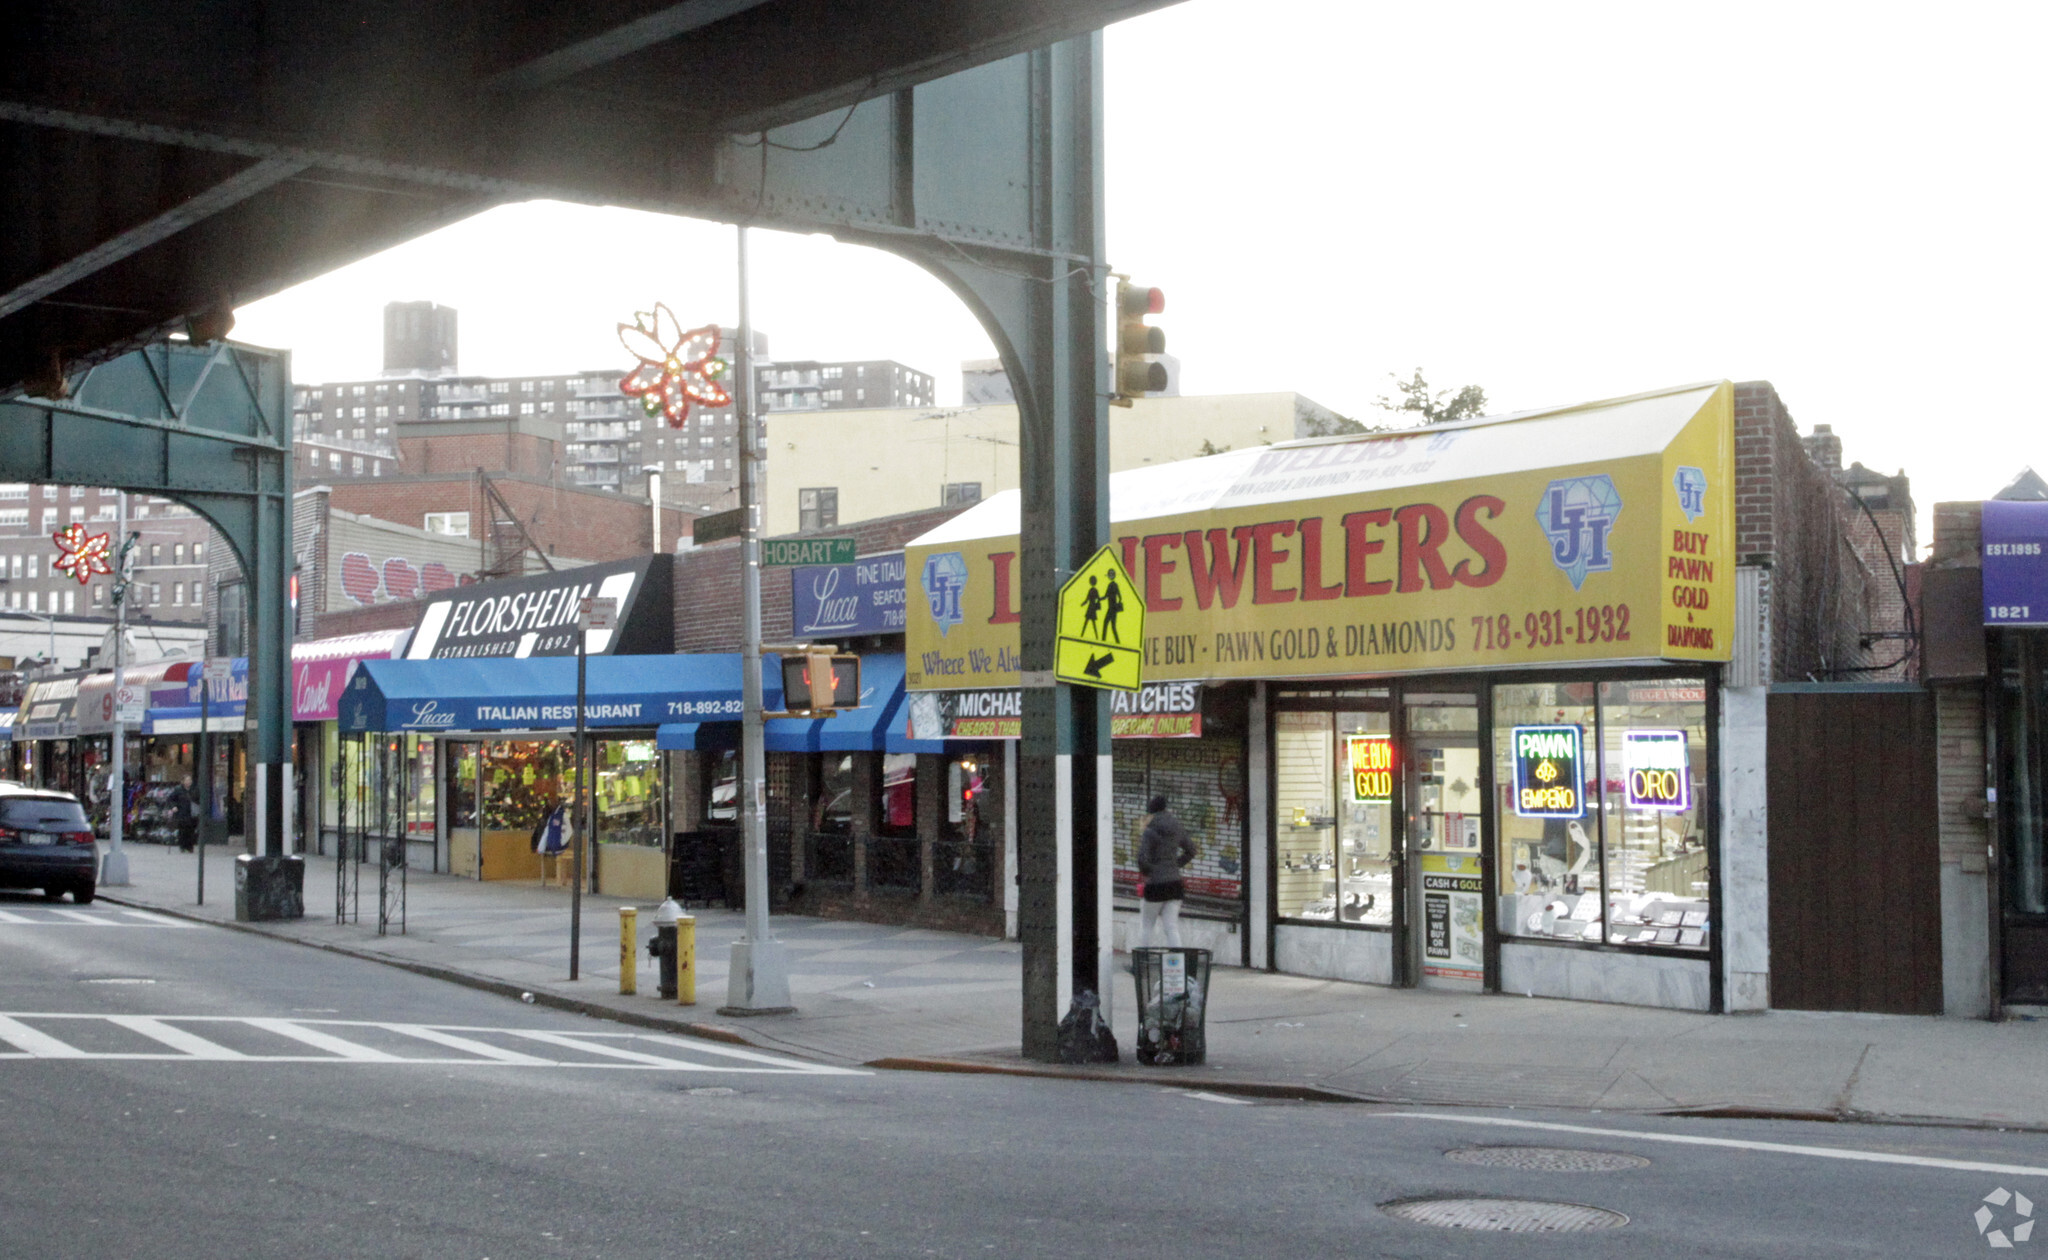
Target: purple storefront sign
{"type": "Point", "coordinates": [2015, 563]}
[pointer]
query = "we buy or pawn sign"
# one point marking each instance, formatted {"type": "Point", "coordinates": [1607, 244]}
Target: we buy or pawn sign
{"type": "Point", "coordinates": [1101, 625]}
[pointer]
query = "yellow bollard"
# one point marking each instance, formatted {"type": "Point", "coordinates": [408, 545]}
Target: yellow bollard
{"type": "Point", "coordinates": [629, 949]}
{"type": "Point", "coordinates": [686, 961]}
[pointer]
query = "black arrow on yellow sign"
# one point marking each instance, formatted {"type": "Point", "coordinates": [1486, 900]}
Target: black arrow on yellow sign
{"type": "Point", "coordinates": [1097, 664]}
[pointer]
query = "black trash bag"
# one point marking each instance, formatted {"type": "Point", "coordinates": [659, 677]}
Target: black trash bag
{"type": "Point", "coordinates": [1084, 1034]}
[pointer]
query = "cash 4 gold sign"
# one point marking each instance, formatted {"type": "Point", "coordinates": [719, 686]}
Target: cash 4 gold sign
{"type": "Point", "coordinates": [1601, 533]}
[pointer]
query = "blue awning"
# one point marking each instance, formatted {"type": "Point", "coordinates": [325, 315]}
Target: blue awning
{"type": "Point", "coordinates": [854, 730]}
{"type": "Point", "coordinates": [697, 736]}
{"type": "Point", "coordinates": [539, 693]}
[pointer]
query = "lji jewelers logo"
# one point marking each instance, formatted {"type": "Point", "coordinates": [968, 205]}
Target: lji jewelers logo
{"type": "Point", "coordinates": [945, 581]}
{"type": "Point", "coordinates": [2011, 1204]}
{"type": "Point", "coordinates": [1691, 484]}
{"type": "Point", "coordinates": [1577, 514]}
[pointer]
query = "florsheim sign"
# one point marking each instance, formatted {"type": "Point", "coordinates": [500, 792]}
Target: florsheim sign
{"type": "Point", "coordinates": [536, 616]}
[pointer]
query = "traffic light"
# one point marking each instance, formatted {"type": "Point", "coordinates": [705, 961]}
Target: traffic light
{"type": "Point", "coordinates": [1136, 375]}
{"type": "Point", "coordinates": [837, 684]}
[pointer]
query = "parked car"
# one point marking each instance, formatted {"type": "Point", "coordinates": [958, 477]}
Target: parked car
{"type": "Point", "coordinates": [46, 843]}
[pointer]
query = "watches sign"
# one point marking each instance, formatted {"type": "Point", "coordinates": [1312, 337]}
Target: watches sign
{"type": "Point", "coordinates": [1549, 771]}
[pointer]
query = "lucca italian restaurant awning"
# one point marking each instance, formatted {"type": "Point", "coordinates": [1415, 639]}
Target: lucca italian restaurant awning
{"type": "Point", "coordinates": [1593, 533]}
{"type": "Point", "coordinates": [539, 693]}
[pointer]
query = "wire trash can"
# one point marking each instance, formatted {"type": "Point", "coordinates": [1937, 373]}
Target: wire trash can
{"type": "Point", "coordinates": [1173, 999]}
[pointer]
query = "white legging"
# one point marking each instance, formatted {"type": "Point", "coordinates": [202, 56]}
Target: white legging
{"type": "Point", "coordinates": [1164, 913]}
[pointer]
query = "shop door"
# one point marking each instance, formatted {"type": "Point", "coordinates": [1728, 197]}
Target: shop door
{"type": "Point", "coordinates": [1442, 801]}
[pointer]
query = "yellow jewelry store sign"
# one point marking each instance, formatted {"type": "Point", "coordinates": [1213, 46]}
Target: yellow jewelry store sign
{"type": "Point", "coordinates": [1603, 532]}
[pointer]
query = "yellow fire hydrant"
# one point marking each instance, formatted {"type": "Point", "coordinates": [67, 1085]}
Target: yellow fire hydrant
{"type": "Point", "coordinates": [686, 960]}
{"type": "Point", "coordinates": [629, 949]}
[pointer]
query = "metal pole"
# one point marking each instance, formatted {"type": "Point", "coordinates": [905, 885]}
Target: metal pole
{"type": "Point", "coordinates": [758, 978]}
{"type": "Point", "coordinates": [576, 812]}
{"type": "Point", "coordinates": [114, 871]}
{"type": "Point", "coordinates": [205, 775]}
{"type": "Point", "coordinates": [654, 503]}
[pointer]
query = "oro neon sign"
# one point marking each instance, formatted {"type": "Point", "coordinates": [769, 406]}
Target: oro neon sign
{"type": "Point", "coordinates": [1659, 775]}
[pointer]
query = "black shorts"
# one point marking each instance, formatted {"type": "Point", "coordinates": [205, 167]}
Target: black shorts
{"type": "Point", "coordinates": [1171, 891]}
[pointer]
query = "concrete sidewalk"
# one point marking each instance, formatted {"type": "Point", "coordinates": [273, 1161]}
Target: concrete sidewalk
{"type": "Point", "coordinates": [873, 994]}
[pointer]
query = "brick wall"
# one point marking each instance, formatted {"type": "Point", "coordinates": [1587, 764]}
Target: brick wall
{"type": "Point", "coordinates": [708, 580]}
{"type": "Point", "coordinates": [563, 520]}
{"type": "Point", "coordinates": [525, 454]}
{"type": "Point", "coordinates": [1792, 519]}
{"type": "Point", "coordinates": [1959, 771]}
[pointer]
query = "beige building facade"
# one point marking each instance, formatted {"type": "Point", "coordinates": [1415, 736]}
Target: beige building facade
{"type": "Point", "coordinates": [830, 468]}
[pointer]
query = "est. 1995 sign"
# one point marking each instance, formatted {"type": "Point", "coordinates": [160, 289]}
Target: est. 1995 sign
{"type": "Point", "coordinates": [1370, 761]}
{"type": "Point", "coordinates": [1659, 776]}
{"type": "Point", "coordinates": [1549, 771]}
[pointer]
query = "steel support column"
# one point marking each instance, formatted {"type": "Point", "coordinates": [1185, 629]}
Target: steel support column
{"type": "Point", "coordinates": [210, 427]}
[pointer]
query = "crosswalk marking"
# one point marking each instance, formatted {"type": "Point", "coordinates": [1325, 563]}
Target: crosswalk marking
{"type": "Point", "coordinates": [34, 1044]}
{"type": "Point", "coordinates": [65, 916]}
{"type": "Point", "coordinates": [186, 1039]}
{"type": "Point", "coordinates": [323, 1041]}
{"type": "Point", "coordinates": [176, 1038]}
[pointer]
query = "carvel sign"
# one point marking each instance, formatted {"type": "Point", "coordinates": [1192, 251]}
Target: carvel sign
{"type": "Point", "coordinates": [865, 597]}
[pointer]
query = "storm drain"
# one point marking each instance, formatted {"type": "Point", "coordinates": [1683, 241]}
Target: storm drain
{"type": "Point", "coordinates": [1507, 1216]}
{"type": "Point", "coordinates": [1546, 1158]}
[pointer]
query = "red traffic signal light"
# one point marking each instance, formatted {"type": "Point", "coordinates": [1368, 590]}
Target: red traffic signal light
{"type": "Point", "coordinates": [1135, 375]}
{"type": "Point", "coordinates": [820, 682]}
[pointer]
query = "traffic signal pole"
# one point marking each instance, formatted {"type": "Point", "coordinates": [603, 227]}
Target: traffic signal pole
{"type": "Point", "coordinates": [758, 981]}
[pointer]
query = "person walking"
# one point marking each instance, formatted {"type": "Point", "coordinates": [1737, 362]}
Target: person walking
{"type": "Point", "coordinates": [1163, 850]}
{"type": "Point", "coordinates": [185, 812]}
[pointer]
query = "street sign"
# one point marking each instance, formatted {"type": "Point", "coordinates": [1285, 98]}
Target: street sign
{"type": "Point", "coordinates": [718, 525]}
{"type": "Point", "coordinates": [129, 702]}
{"type": "Point", "coordinates": [1101, 625]}
{"type": "Point", "coordinates": [597, 612]}
{"type": "Point", "coordinates": [787, 552]}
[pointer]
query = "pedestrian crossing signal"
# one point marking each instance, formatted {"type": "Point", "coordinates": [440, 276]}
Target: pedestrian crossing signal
{"type": "Point", "coordinates": [820, 683]}
{"type": "Point", "coordinates": [1101, 626]}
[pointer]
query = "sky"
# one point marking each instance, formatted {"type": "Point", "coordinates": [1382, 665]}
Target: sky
{"type": "Point", "coordinates": [1558, 203]}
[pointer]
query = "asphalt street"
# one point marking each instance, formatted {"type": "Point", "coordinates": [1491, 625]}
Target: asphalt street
{"type": "Point", "coordinates": [174, 1090]}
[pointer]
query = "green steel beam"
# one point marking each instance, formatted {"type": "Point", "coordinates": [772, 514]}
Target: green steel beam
{"type": "Point", "coordinates": [208, 426]}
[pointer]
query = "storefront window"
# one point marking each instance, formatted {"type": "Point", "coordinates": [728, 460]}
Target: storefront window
{"type": "Point", "coordinates": [1602, 804]}
{"type": "Point", "coordinates": [833, 812]}
{"type": "Point", "coordinates": [523, 780]}
{"type": "Point", "coordinates": [1334, 786]}
{"type": "Point", "coordinates": [899, 795]}
{"type": "Point", "coordinates": [963, 861]}
{"type": "Point", "coordinates": [628, 792]}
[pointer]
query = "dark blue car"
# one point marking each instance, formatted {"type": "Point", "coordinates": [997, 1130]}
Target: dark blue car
{"type": "Point", "coordinates": [46, 843]}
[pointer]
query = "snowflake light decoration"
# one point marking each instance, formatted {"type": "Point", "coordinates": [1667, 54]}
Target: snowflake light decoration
{"type": "Point", "coordinates": [83, 554]}
{"type": "Point", "coordinates": [676, 368]}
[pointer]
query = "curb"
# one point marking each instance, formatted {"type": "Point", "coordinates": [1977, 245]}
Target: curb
{"type": "Point", "coordinates": [1247, 1089]}
{"type": "Point", "coordinates": [468, 979]}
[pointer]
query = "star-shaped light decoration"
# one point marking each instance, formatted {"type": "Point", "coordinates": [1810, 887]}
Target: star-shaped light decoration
{"type": "Point", "coordinates": [676, 368]}
{"type": "Point", "coordinates": [83, 554]}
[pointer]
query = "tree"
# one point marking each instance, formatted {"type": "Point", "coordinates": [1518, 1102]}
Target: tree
{"type": "Point", "coordinates": [1440, 407]}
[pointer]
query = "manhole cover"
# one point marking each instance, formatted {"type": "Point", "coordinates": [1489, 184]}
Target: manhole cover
{"type": "Point", "coordinates": [1546, 1158]}
{"type": "Point", "coordinates": [1510, 1216]}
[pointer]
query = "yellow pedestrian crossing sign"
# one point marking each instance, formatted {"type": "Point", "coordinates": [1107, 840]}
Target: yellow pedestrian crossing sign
{"type": "Point", "coordinates": [1102, 625]}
